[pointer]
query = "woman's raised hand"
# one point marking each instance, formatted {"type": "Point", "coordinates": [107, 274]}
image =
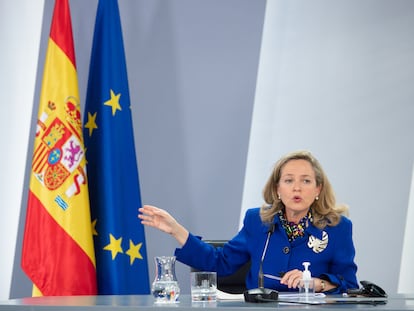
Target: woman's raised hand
{"type": "Point", "coordinates": [160, 219]}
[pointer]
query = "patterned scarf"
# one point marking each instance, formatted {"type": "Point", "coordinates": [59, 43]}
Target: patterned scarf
{"type": "Point", "coordinates": [293, 230]}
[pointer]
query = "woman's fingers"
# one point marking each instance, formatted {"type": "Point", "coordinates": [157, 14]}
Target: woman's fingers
{"type": "Point", "coordinates": [292, 278]}
{"type": "Point", "coordinates": [147, 214]}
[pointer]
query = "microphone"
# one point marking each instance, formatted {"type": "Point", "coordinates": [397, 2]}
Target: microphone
{"type": "Point", "coordinates": [261, 294]}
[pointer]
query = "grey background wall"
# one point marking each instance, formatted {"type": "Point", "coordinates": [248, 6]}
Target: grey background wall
{"type": "Point", "coordinates": [342, 83]}
{"type": "Point", "coordinates": [192, 69]}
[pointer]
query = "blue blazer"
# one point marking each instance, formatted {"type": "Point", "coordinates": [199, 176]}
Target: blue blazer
{"type": "Point", "coordinates": [330, 252]}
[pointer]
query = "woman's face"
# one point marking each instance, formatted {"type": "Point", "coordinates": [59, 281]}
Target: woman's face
{"type": "Point", "coordinates": [297, 188]}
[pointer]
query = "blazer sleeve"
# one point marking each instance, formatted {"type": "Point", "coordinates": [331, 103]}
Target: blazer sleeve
{"type": "Point", "coordinates": [202, 256]}
{"type": "Point", "coordinates": [224, 260]}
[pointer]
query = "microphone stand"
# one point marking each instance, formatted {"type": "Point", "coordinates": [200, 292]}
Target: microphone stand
{"type": "Point", "coordinates": [262, 294]}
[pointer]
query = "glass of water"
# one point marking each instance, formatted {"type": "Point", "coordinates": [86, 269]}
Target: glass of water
{"type": "Point", "coordinates": [203, 286]}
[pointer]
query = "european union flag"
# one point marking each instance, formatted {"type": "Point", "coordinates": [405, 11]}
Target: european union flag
{"type": "Point", "coordinates": [119, 237]}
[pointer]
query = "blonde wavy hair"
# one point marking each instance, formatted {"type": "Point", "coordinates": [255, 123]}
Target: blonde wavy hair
{"type": "Point", "coordinates": [325, 211]}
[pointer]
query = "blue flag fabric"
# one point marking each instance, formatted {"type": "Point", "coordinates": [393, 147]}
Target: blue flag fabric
{"type": "Point", "coordinates": [119, 237]}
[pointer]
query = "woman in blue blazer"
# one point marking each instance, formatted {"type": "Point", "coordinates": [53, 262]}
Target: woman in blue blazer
{"type": "Point", "coordinates": [299, 222]}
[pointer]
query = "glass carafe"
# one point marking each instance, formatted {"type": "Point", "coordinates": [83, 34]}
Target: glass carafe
{"type": "Point", "coordinates": [165, 287]}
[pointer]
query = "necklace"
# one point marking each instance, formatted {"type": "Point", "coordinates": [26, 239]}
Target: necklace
{"type": "Point", "coordinates": [293, 230]}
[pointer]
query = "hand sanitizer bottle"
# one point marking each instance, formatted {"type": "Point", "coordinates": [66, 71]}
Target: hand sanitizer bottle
{"type": "Point", "coordinates": [306, 288]}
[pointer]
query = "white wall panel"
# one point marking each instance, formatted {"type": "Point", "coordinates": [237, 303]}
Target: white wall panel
{"type": "Point", "coordinates": [20, 28]}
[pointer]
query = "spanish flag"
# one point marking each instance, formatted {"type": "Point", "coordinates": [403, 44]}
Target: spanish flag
{"type": "Point", "coordinates": [58, 252]}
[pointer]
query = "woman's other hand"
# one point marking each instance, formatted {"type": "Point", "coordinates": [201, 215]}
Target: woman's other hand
{"type": "Point", "coordinates": [160, 219]}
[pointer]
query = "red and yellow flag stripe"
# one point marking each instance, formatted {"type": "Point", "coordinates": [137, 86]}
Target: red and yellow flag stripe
{"type": "Point", "coordinates": [58, 254]}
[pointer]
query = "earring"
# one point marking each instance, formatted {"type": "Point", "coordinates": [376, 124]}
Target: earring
{"type": "Point", "coordinates": [317, 198]}
{"type": "Point", "coordinates": [278, 196]}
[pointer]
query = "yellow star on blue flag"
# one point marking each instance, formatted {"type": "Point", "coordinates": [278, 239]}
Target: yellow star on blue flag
{"type": "Point", "coordinates": [113, 102]}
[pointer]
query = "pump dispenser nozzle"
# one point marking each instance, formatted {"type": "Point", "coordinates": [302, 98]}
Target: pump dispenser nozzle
{"type": "Point", "coordinates": [306, 273]}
